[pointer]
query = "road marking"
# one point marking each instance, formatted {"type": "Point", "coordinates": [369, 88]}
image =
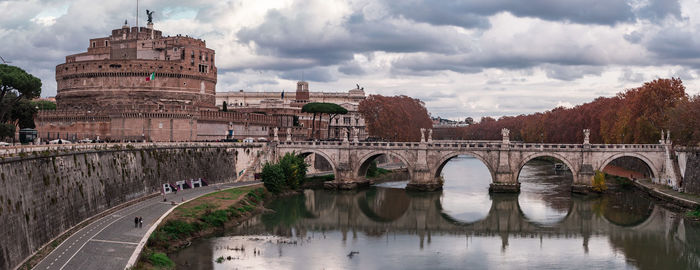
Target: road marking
{"type": "Point", "coordinates": [144, 239]}
{"type": "Point", "coordinates": [103, 228]}
{"type": "Point", "coordinates": [115, 242]}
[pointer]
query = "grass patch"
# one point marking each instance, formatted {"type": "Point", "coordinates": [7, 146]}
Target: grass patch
{"type": "Point", "coordinates": [320, 178]}
{"type": "Point", "coordinates": [159, 259]}
{"type": "Point", "coordinates": [693, 214]}
{"type": "Point", "coordinates": [209, 211]}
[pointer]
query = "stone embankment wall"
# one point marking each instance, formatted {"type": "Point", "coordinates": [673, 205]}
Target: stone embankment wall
{"type": "Point", "coordinates": [691, 179]}
{"type": "Point", "coordinates": [45, 193]}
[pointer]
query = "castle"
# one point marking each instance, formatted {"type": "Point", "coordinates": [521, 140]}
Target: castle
{"type": "Point", "coordinates": [138, 85]}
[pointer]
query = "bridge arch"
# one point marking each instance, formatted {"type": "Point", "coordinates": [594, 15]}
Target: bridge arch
{"type": "Point", "coordinates": [649, 163]}
{"type": "Point", "coordinates": [447, 157]}
{"type": "Point", "coordinates": [368, 158]}
{"type": "Point", "coordinates": [304, 153]}
{"type": "Point", "coordinates": [525, 160]}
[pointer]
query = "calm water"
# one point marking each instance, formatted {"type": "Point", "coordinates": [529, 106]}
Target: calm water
{"type": "Point", "coordinates": [543, 227]}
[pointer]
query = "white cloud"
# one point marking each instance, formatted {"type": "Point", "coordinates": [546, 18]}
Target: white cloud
{"type": "Point", "coordinates": [501, 59]}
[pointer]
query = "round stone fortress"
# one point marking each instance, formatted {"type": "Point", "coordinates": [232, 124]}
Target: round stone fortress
{"type": "Point", "coordinates": [113, 73]}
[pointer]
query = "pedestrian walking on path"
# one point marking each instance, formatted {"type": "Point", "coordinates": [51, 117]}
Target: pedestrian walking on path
{"type": "Point", "coordinates": [140, 222]}
{"type": "Point", "coordinates": [136, 222]}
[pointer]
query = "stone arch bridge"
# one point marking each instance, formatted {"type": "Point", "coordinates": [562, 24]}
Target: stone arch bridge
{"type": "Point", "coordinates": [504, 159]}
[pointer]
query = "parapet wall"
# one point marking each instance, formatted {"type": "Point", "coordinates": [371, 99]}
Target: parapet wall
{"type": "Point", "coordinates": [48, 191]}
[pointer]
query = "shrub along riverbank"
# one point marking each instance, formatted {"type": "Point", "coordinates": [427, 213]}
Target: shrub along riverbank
{"type": "Point", "coordinates": [200, 217]}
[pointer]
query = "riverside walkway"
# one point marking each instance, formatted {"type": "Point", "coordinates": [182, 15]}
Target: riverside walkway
{"type": "Point", "coordinates": [665, 193]}
{"type": "Point", "coordinates": [112, 242]}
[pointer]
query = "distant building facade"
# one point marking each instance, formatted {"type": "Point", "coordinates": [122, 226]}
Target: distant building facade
{"type": "Point", "coordinates": [290, 103]}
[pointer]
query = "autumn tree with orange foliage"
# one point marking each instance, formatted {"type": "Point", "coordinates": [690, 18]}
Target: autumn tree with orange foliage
{"type": "Point", "coordinates": [397, 118]}
{"type": "Point", "coordinates": [635, 116]}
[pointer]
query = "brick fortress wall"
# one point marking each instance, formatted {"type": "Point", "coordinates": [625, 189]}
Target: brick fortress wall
{"type": "Point", "coordinates": [103, 92]}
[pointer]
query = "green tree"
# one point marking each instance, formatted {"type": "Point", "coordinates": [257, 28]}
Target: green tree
{"type": "Point", "coordinates": [7, 130]}
{"type": "Point", "coordinates": [273, 178]}
{"type": "Point", "coordinates": [320, 108]}
{"type": "Point", "coordinates": [294, 168]}
{"type": "Point", "coordinates": [44, 105]}
{"type": "Point", "coordinates": [23, 114]}
{"type": "Point", "coordinates": [14, 80]}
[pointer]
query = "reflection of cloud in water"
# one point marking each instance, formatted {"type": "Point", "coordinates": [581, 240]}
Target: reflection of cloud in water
{"type": "Point", "coordinates": [465, 196]}
{"type": "Point", "coordinates": [545, 195]}
{"type": "Point", "coordinates": [397, 184]}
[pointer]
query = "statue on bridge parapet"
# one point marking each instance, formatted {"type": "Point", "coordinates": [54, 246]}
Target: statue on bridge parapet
{"type": "Point", "coordinates": [289, 134]}
{"type": "Point", "coordinates": [668, 136]}
{"type": "Point", "coordinates": [344, 134]}
{"type": "Point", "coordinates": [663, 139]}
{"type": "Point", "coordinates": [275, 130]}
{"type": "Point", "coordinates": [506, 133]}
{"type": "Point", "coordinates": [422, 135]}
{"type": "Point", "coordinates": [430, 135]}
{"type": "Point", "coordinates": [586, 136]}
{"type": "Point", "coordinates": [355, 135]}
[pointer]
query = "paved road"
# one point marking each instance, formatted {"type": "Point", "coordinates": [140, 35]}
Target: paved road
{"type": "Point", "coordinates": [109, 242]}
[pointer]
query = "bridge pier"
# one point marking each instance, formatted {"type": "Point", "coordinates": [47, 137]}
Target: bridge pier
{"type": "Point", "coordinates": [345, 180]}
{"type": "Point", "coordinates": [583, 180]}
{"type": "Point", "coordinates": [424, 180]}
{"type": "Point", "coordinates": [504, 183]}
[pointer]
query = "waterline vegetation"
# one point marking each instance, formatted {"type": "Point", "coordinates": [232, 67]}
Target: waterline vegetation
{"type": "Point", "coordinates": [200, 217]}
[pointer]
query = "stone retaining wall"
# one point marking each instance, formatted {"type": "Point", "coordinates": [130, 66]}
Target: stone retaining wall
{"type": "Point", "coordinates": [691, 179]}
{"type": "Point", "coordinates": [47, 193]}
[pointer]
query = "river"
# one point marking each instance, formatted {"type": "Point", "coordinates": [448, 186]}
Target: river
{"type": "Point", "coordinates": [461, 227]}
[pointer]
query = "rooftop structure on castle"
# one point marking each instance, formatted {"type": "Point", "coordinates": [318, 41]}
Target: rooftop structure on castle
{"type": "Point", "coordinates": [113, 71]}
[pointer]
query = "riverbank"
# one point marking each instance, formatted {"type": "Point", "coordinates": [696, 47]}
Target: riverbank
{"type": "Point", "coordinates": [201, 217]}
{"type": "Point", "coordinates": [666, 194]}
{"type": "Point", "coordinates": [690, 203]}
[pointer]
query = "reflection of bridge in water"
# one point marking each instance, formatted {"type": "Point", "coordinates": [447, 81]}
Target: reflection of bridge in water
{"type": "Point", "coordinates": [625, 219]}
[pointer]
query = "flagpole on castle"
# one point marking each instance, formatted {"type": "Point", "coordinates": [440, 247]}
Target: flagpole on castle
{"type": "Point", "coordinates": [137, 19]}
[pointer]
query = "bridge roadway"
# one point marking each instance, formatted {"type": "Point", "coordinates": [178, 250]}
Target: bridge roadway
{"type": "Point", "coordinates": [112, 242]}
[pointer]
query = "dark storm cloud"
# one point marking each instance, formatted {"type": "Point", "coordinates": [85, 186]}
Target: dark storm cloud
{"type": "Point", "coordinates": [476, 62]}
{"type": "Point", "coordinates": [318, 74]}
{"type": "Point", "coordinates": [570, 73]}
{"type": "Point", "coordinates": [293, 36]}
{"type": "Point", "coordinates": [351, 68]}
{"type": "Point", "coordinates": [677, 45]}
{"type": "Point", "coordinates": [659, 9]}
{"type": "Point", "coordinates": [471, 14]}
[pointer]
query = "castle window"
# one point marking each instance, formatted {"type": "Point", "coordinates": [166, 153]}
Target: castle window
{"type": "Point", "coordinates": [106, 43]}
{"type": "Point", "coordinates": [93, 44]}
{"type": "Point", "coordinates": [346, 120]}
{"type": "Point", "coordinates": [203, 69]}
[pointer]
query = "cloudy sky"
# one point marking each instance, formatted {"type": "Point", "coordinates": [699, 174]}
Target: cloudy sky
{"type": "Point", "coordinates": [463, 58]}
